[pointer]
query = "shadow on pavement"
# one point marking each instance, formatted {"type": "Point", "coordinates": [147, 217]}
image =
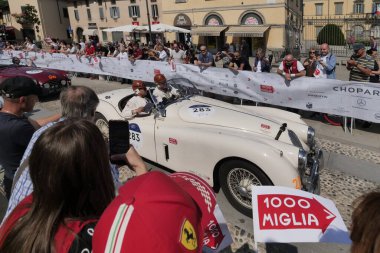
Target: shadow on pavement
{"type": "Point", "coordinates": [280, 247]}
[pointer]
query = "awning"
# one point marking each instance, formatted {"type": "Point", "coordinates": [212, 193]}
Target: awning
{"type": "Point", "coordinates": [247, 31]}
{"type": "Point", "coordinates": [208, 30]}
{"type": "Point", "coordinates": [90, 32]}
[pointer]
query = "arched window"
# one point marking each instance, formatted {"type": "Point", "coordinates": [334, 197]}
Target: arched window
{"type": "Point", "coordinates": [251, 19]}
{"type": "Point", "coordinates": [213, 20]}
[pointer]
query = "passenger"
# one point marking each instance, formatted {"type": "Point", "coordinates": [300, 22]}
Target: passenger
{"type": "Point", "coordinates": [69, 167]}
{"type": "Point", "coordinates": [137, 103]}
{"type": "Point", "coordinates": [163, 91]}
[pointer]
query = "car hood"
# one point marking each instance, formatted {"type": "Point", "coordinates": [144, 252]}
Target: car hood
{"type": "Point", "coordinates": [208, 111]}
{"type": "Point", "coordinates": [41, 74]}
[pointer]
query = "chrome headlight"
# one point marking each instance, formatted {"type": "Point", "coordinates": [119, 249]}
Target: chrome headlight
{"type": "Point", "coordinates": [302, 159]}
{"type": "Point", "coordinates": [47, 85]}
{"type": "Point", "coordinates": [63, 82]}
{"type": "Point", "coordinates": [311, 137]}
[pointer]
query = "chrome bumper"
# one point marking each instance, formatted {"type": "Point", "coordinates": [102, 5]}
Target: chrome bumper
{"type": "Point", "coordinates": [310, 173]}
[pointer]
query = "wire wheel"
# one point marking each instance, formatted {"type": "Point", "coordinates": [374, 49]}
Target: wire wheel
{"type": "Point", "coordinates": [236, 179]}
{"type": "Point", "coordinates": [102, 123]}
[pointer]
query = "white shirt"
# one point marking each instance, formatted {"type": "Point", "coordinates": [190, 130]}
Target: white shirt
{"type": "Point", "coordinates": [258, 67]}
{"type": "Point", "coordinates": [31, 46]}
{"type": "Point", "coordinates": [134, 103]}
{"type": "Point", "coordinates": [321, 68]}
{"type": "Point", "coordinates": [177, 56]}
{"type": "Point", "coordinates": [159, 94]}
{"type": "Point", "coordinates": [163, 55]}
{"type": "Point", "coordinates": [82, 46]}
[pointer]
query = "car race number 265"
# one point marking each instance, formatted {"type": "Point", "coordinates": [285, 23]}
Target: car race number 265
{"type": "Point", "coordinates": [135, 136]}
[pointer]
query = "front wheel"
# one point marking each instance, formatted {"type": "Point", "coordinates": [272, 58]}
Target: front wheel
{"type": "Point", "coordinates": [102, 123]}
{"type": "Point", "coordinates": [236, 178]}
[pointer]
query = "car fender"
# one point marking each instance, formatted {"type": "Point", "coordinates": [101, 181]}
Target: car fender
{"type": "Point", "coordinates": [215, 146]}
{"type": "Point", "coordinates": [108, 110]}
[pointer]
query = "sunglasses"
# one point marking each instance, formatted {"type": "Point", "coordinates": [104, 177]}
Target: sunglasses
{"type": "Point", "coordinates": [312, 52]}
{"type": "Point", "coordinates": [203, 50]}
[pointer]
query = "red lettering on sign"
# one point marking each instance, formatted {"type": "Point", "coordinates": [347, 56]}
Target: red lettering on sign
{"type": "Point", "coordinates": [280, 211]}
{"type": "Point", "coordinates": [267, 88]}
{"type": "Point", "coordinates": [173, 141]}
{"type": "Point", "coordinates": [213, 235]}
{"type": "Point", "coordinates": [135, 23]}
{"type": "Point", "coordinates": [265, 126]}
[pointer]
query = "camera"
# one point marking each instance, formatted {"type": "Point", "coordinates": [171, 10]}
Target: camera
{"type": "Point", "coordinates": [317, 53]}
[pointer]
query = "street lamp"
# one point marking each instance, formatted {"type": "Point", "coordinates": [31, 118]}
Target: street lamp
{"type": "Point", "coordinates": [150, 28]}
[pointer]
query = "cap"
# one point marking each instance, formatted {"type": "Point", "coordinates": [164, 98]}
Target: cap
{"type": "Point", "coordinates": [15, 87]}
{"type": "Point", "coordinates": [138, 84]}
{"type": "Point", "coordinates": [159, 78]}
{"type": "Point", "coordinates": [155, 212]}
{"type": "Point", "coordinates": [358, 46]}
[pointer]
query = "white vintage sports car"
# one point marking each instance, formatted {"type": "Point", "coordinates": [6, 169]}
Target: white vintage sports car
{"type": "Point", "coordinates": [230, 146]}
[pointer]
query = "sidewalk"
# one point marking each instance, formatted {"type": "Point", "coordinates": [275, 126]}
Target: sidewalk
{"type": "Point", "coordinates": [356, 153]}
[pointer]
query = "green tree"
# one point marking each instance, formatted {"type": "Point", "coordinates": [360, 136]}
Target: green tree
{"type": "Point", "coordinates": [28, 16]}
{"type": "Point", "coordinates": [332, 35]}
{"type": "Point", "coordinates": [3, 4]}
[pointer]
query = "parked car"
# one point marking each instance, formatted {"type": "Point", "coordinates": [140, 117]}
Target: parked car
{"type": "Point", "coordinates": [51, 81]}
{"type": "Point", "coordinates": [230, 146]}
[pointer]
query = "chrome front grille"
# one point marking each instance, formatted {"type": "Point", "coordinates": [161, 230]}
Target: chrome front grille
{"type": "Point", "coordinates": [294, 139]}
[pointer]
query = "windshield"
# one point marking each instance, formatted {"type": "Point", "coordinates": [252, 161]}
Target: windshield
{"type": "Point", "coordinates": [184, 87]}
{"type": "Point", "coordinates": [180, 89]}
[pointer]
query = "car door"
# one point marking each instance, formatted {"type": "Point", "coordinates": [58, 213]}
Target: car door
{"type": "Point", "coordinates": [168, 134]}
{"type": "Point", "coordinates": [180, 144]}
{"type": "Point", "coordinates": [141, 135]}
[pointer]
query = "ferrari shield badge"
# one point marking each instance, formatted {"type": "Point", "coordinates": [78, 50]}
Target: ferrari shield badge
{"type": "Point", "coordinates": [188, 236]}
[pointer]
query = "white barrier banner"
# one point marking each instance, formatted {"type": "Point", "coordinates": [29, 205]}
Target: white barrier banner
{"type": "Point", "coordinates": [351, 99]}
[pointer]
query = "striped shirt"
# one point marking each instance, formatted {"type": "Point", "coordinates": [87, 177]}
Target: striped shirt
{"type": "Point", "coordinates": [366, 61]}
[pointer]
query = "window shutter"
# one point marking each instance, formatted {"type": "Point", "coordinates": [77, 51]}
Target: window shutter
{"type": "Point", "coordinates": [138, 11]}
{"type": "Point", "coordinates": [152, 11]}
{"type": "Point", "coordinates": [117, 12]}
{"type": "Point", "coordinates": [101, 13]}
{"type": "Point", "coordinates": [76, 14]}
{"type": "Point", "coordinates": [130, 11]}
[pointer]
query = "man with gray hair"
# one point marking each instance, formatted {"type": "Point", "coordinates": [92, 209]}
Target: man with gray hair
{"type": "Point", "coordinates": [76, 102]}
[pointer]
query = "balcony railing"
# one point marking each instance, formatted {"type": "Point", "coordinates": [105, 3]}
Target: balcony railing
{"type": "Point", "coordinates": [354, 16]}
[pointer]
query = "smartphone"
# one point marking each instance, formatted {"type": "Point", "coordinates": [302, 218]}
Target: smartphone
{"type": "Point", "coordinates": [118, 138]}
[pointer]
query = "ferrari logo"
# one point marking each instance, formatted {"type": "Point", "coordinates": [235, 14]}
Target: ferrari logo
{"type": "Point", "coordinates": [188, 236]}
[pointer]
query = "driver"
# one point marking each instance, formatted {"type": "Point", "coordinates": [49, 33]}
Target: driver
{"type": "Point", "coordinates": [137, 103]}
{"type": "Point", "coordinates": [15, 61]}
{"type": "Point", "coordinates": [163, 90]}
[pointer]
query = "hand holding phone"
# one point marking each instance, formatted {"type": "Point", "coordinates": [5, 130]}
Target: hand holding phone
{"type": "Point", "coordinates": [118, 139]}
